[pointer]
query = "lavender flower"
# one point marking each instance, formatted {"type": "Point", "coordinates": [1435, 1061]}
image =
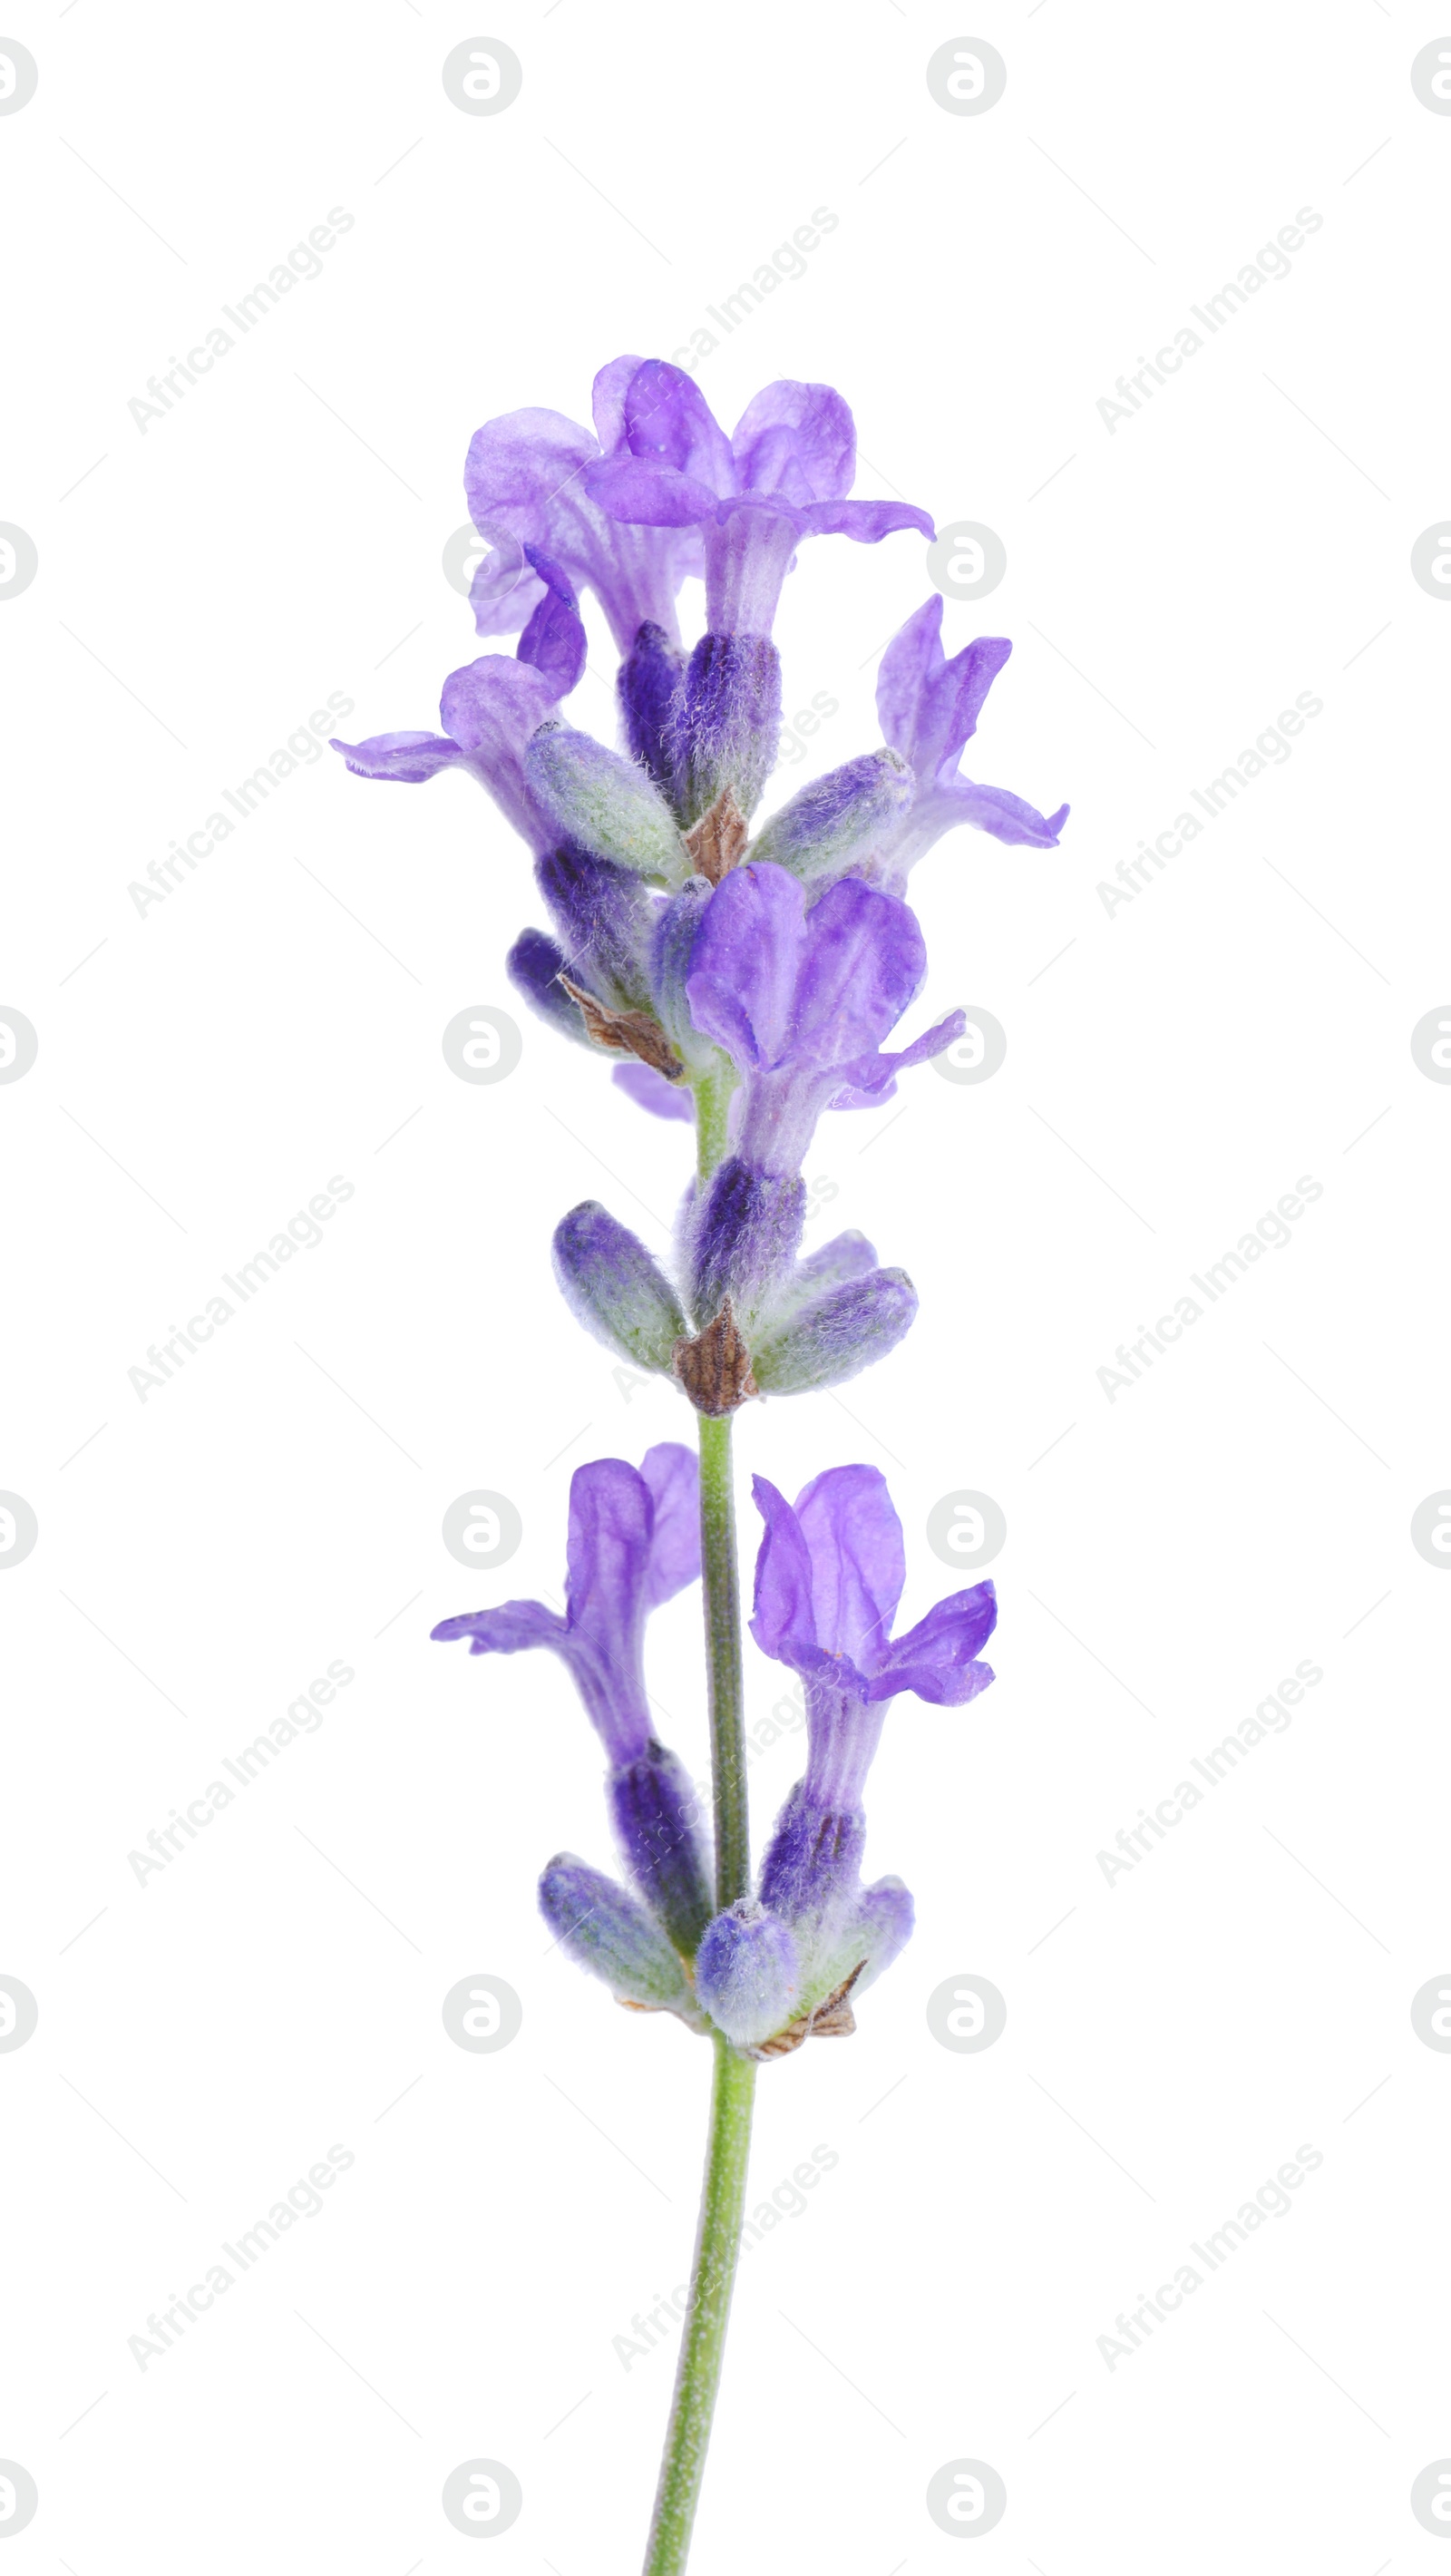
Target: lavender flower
{"type": "Point", "coordinates": [527, 482]}
{"type": "Point", "coordinates": [829, 1576]}
{"type": "Point", "coordinates": [634, 1541]}
{"type": "Point", "coordinates": [782, 476]}
{"type": "Point", "coordinates": [929, 709]}
{"type": "Point", "coordinates": [801, 1002]}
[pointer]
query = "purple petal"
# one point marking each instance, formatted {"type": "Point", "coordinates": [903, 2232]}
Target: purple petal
{"type": "Point", "coordinates": [553, 642]}
{"type": "Point", "coordinates": [673, 1477]}
{"type": "Point", "coordinates": [867, 521]}
{"type": "Point", "coordinates": [871, 1079]}
{"type": "Point", "coordinates": [491, 708]}
{"type": "Point", "coordinates": [929, 706]}
{"type": "Point", "coordinates": [936, 1659]}
{"type": "Point", "coordinates": [646, 495]}
{"type": "Point", "coordinates": [858, 1565]}
{"type": "Point", "coordinates": [865, 960]}
{"type": "Point", "coordinates": [407, 758]}
{"type": "Point", "coordinates": [650, 1090]}
{"type": "Point", "coordinates": [607, 401]}
{"type": "Point", "coordinates": [783, 1619]}
{"type": "Point", "coordinates": [508, 1630]}
{"type": "Point", "coordinates": [745, 963]}
{"type": "Point", "coordinates": [819, 438]}
{"type": "Point", "coordinates": [668, 421]}
{"type": "Point", "coordinates": [505, 589]}
{"type": "Point", "coordinates": [525, 478]}
{"type": "Point", "coordinates": [1005, 816]}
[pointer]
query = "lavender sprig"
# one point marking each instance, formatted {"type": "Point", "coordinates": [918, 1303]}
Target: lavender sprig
{"type": "Point", "coordinates": [749, 986]}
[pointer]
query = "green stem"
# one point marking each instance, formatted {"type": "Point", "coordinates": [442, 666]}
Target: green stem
{"type": "Point", "coordinates": [717, 2244]}
{"type": "Point", "coordinates": [728, 2143]}
{"type": "Point", "coordinates": [726, 1680]}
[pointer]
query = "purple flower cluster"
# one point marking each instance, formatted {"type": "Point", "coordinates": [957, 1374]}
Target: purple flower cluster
{"type": "Point", "coordinates": [772, 1969]}
{"type": "Point", "coordinates": [750, 984]}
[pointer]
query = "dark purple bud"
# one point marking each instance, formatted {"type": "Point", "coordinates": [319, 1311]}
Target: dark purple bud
{"type": "Point", "coordinates": [650, 681]}
{"type": "Point", "coordinates": [830, 828]}
{"type": "Point", "coordinates": [614, 1288]}
{"type": "Point", "coordinates": [605, 920]}
{"type": "Point", "coordinates": [835, 1335]}
{"type": "Point", "coordinates": [533, 967]}
{"type": "Point", "coordinates": [728, 723]}
{"type": "Point", "coordinates": [743, 1239]}
{"type": "Point", "coordinates": [608, 1931]}
{"type": "Point", "coordinates": [812, 1870]}
{"type": "Point", "coordinates": [748, 1973]}
{"type": "Point", "coordinates": [653, 1804]}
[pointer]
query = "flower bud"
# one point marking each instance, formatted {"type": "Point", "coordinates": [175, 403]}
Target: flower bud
{"type": "Point", "coordinates": [605, 920]}
{"type": "Point", "coordinates": [834, 1336]}
{"type": "Point", "coordinates": [649, 683]}
{"type": "Point", "coordinates": [747, 1973]}
{"type": "Point", "coordinates": [727, 724]}
{"type": "Point", "coordinates": [743, 1238]}
{"type": "Point", "coordinates": [653, 1805]}
{"type": "Point", "coordinates": [830, 827]}
{"type": "Point", "coordinates": [606, 804]}
{"type": "Point", "coordinates": [534, 966]}
{"type": "Point", "coordinates": [614, 1288]}
{"type": "Point", "coordinates": [883, 1928]}
{"type": "Point", "coordinates": [608, 1932]}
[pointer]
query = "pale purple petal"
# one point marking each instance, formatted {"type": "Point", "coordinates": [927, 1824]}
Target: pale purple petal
{"type": "Point", "coordinates": [508, 1630]}
{"type": "Point", "coordinates": [783, 1619]}
{"type": "Point", "coordinates": [871, 1079]}
{"type": "Point", "coordinates": [673, 1477]}
{"type": "Point", "coordinates": [820, 438]}
{"type": "Point", "coordinates": [746, 961]}
{"type": "Point", "coordinates": [937, 1658]}
{"type": "Point", "coordinates": [867, 521]}
{"type": "Point", "coordinates": [668, 421]}
{"type": "Point", "coordinates": [865, 959]}
{"type": "Point", "coordinates": [928, 706]}
{"type": "Point", "coordinates": [408, 758]}
{"type": "Point", "coordinates": [650, 1090]}
{"type": "Point", "coordinates": [645, 495]}
{"type": "Point", "coordinates": [998, 811]}
{"type": "Point", "coordinates": [858, 1564]}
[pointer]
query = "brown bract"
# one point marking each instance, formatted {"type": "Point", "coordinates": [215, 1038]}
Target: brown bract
{"type": "Point", "coordinates": [833, 2019]}
{"type": "Point", "coordinates": [717, 842]}
{"type": "Point", "coordinates": [628, 1032]}
{"type": "Point", "coordinates": [715, 1369]}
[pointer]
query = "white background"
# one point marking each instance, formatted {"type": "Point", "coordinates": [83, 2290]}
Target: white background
{"type": "Point", "coordinates": [1171, 2038]}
